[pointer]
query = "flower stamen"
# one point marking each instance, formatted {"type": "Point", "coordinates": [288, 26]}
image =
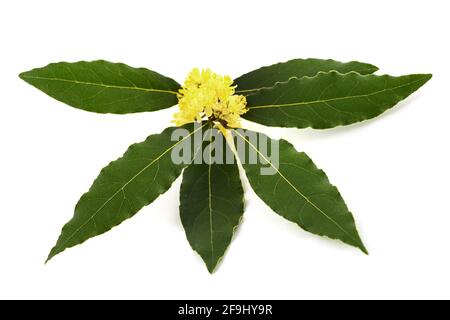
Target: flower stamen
{"type": "Point", "coordinates": [207, 95]}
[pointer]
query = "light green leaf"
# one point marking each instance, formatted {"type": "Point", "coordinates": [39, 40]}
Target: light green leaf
{"type": "Point", "coordinates": [104, 87]}
{"type": "Point", "coordinates": [267, 77]}
{"type": "Point", "coordinates": [330, 99]}
{"type": "Point", "coordinates": [211, 204]}
{"type": "Point", "coordinates": [145, 171]}
{"type": "Point", "coordinates": [297, 190]}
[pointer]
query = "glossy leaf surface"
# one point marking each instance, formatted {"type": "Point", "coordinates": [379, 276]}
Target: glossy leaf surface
{"type": "Point", "coordinates": [330, 99]}
{"type": "Point", "coordinates": [298, 190]}
{"type": "Point", "coordinates": [104, 87]}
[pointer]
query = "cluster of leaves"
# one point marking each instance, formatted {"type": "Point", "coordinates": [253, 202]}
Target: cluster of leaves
{"type": "Point", "coordinates": [299, 93]}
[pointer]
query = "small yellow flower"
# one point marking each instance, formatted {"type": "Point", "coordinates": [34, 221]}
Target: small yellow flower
{"type": "Point", "coordinates": [207, 95]}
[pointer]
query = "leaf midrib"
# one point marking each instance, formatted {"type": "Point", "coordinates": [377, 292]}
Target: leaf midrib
{"type": "Point", "coordinates": [99, 84]}
{"type": "Point", "coordinates": [334, 99]}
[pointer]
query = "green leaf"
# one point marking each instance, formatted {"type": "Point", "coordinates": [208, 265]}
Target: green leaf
{"type": "Point", "coordinates": [211, 203]}
{"type": "Point", "coordinates": [297, 190]}
{"type": "Point", "coordinates": [330, 99]}
{"type": "Point", "coordinates": [267, 77]}
{"type": "Point", "coordinates": [104, 87]}
{"type": "Point", "coordinates": [144, 172]}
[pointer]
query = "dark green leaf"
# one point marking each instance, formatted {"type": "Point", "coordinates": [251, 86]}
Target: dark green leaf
{"type": "Point", "coordinates": [104, 87]}
{"type": "Point", "coordinates": [297, 190]}
{"type": "Point", "coordinates": [211, 203]}
{"type": "Point", "coordinates": [267, 77]}
{"type": "Point", "coordinates": [330, 99]}
{"type": "Point", "coordinates": [145, 171]}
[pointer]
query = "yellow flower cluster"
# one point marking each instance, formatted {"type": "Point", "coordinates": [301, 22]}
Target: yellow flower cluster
{"type": "Point", "coordinates": [206, 94]}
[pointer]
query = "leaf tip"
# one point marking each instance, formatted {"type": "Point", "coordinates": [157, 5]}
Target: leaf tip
{"type": "Point", "coordinates": [211, 264]}
{"type": "Point", "coordinates": [22, 75]}
{"type": "Point", "coordinates": [423, 78]}
{"type": "Point", "coordinates": [360, 245]}
{"type": "Point", "coordinates": [48, 259]}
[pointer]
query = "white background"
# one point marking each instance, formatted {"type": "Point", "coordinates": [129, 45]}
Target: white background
{"type": "Point", "coordinates": [393, 171]}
